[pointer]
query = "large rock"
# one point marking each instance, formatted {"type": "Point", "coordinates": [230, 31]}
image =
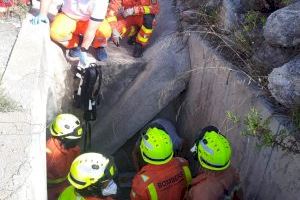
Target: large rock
{"type": "Point", "coordinates": [272, 57]}
{"type": "Point", "coordinates": [283, 27]}
{"type": "Point", "coordinates": [284, 83]}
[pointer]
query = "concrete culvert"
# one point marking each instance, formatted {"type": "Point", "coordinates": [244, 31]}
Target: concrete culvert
{"type": "Point", "coordinates": [180, 78]}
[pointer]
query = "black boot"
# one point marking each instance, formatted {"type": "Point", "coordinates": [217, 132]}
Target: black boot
{"type": "Point", "coordinates": [131, 40]}
{"type": "Point", "coordinates": [138, 50]}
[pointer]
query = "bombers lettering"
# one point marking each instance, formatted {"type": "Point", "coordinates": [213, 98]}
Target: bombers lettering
{"type": "Point", "coordinates": [174, 179]}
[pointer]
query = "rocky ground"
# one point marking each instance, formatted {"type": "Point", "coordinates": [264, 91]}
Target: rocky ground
{"type": "Point", "coordinates": [260, 37]}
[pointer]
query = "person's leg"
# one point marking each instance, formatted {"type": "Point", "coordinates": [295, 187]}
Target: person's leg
{"type": "Point", "coordinates": [100, 42]}
{"type": "Point", "coordinates": [144, 34]}
{"type": "Point", "coordinates": [62, 29]}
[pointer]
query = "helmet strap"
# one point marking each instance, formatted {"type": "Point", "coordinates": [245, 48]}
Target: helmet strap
{"type": "Point", "coordinates": [68, 144]}
{"type": "Point", "coordinates": [92, 190]}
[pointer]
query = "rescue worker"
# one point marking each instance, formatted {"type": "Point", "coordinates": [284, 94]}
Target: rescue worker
{"type": "Point", "coordinates": [163, 177]}
{"type": "Point", "coordinates": [133, 19]}
{"type": "Point", "coordinates": [91, 177]}
{"type": "Point", "coordinates": [217, 179]}
{"type": "Point", "coordinates": [62, 149]}
{"type": "Point", "coordinates": [166, 126]}
{"type": "Point", "coordinates": [79, 17]}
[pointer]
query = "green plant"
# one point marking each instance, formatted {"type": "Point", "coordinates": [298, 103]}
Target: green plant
{"type": "Point", "coordinates": [256, 126]}
{"type": "Point", "coordinates": [232, 117]}
{"type": "Point", "coordinates": [6, 103]}
{"type": "Point", "coordinates": [285, 2]}
{"type": "Point", "coordinates": [252, 20]}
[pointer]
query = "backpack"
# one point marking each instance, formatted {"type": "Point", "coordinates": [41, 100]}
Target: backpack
{"type": "Point", "coordinates": [87, 96]}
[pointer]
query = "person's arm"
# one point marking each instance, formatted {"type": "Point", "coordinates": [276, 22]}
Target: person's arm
{"type": "Point", "coordinates": [44, 7]}
{"type": "Point", "coordinates": [138, 189]}
{"type": "Point", "coordinates": [149, 9]}
{"type": "Point", "coordinates": [141, 10]}
{"type": "Point", "coordinates": [114, 7]}
{"type": "Point", "coordinates": [135, 153]}
{"type": "Point", "coordinates": [42, 16]}
{"type": "Point", "coordinates": [97, 16]}
{"type": "Point", "coordinates": [90, 33]}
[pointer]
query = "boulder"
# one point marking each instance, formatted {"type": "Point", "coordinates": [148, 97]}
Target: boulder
{"type": "Point", "coordinates": [284, 83]}
{"type": "Point", "coordinates": [283, 27]}
{"type": "Point", "coordinates": [272, 57]}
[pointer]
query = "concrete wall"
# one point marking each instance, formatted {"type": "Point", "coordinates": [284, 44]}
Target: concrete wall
{"type": "Point", "coordinates": [216, 87]}
{"type": "Point", "coordinates": [36, 68]}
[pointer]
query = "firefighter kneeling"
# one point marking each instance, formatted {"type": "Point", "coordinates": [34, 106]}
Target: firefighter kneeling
{"type": "Point", "coordinates": [162, 176]}
{"type": "Point", "coordinates": [133, 19]}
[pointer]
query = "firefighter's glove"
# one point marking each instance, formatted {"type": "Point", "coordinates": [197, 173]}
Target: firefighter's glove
{"type": "Point", "coordinates": [111, 189]}
{"type": "Point", "coordinates": [39, 19]}
{"type": "Point", "coordinates": [127, 12]}
{"type": "Point", "coordinates": [83, 58]}
{"type": "Point", "coordinates": [116, 37]}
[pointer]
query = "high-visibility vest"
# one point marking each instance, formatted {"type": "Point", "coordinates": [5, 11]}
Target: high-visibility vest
{"type": "Point", "coordinates": [70, 194]}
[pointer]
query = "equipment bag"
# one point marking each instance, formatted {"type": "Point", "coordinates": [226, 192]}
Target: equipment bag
{"type": "Point", "coordinates": [87, 96]}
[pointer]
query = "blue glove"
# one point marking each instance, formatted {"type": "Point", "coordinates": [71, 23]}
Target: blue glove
{"type": "Point", "coordinates": [83, 60]}
{"type": "Point", "coordinates": [39, 19]}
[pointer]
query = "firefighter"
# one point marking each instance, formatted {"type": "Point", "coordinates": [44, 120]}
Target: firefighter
{"type": "Point", "coordinates": [133, 19]}
{"type": "Point", "coordinates": [170, 129]}
{"type": "Point", "coordinates": [79, 18]}
{"type": "Point", "coordinates": [92, 178]}
{"type": "Point", "coordinates": [163, 176]}
{"type": "Point", "coordinates": [217, 179]}
{"type": "Point", "coordinates": [62, 149]}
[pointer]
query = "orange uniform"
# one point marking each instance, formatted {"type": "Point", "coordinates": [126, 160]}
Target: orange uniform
{"type": "Point", "coordinates": [64, 28]}
{"type": "Point", "coordinates": [98, 198]}
{"type": "Point", "coordinates": [59, 161]}
{"type": "Point", "coordinates": [215, 185]}
{"type": "Point", "coordinates": [166, 181]}
{"type": "Point", "coordinates": [144, 13]}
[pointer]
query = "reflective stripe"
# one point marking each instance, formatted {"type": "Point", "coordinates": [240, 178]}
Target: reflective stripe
{"type": "Point", "coordinates": [144, 177]}
{"type": "Point", "coordinates": [142, 39]}
{"type": "Point", "coordinates": [146, 9]}
{"type": "Point", "coordinates": [132, 31]}
{"type": "Point", "coordinates": [70, 194]}
{"type": "Point", "coordinates": [152, 192]}
{"type": "Point", "coordinates": [123, 30]}
{"type": "Point", "coordinates": [146, 30]}
{"type": "Point", "coordinates": [111, 19]}
{"type": "Point", "coordinates": [56, 181]}
{"type": "Point", "coordinates": [48, 151]}
{"type": "Point", "coordinates": [187, 174]}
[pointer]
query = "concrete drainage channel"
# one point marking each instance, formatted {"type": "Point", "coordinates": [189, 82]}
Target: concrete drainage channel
{"type": "Point", "coordinates": [189, 84]}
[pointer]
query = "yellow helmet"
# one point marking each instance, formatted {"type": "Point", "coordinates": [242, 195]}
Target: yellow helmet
{"type": "Point", "coordinates": [156, 146]}
{"type": "Point", "coordinates": [66, 126]}
{"type": "Point", "coordinates": [213, 150]}
{"type": "Point", "coordinates": [89, 168]}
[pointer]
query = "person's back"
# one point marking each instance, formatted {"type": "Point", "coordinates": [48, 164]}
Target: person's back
{"type": "Point", "coordinates": [216, 179]}
{"type": "Point", "coordinates": [169, 180]}
{"type": "Point", "coordinates": [214, 185]}
{"type": "Point", "coordinates": [163, 177]}
{"type": "Point", "coordinates": [59, 159]}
